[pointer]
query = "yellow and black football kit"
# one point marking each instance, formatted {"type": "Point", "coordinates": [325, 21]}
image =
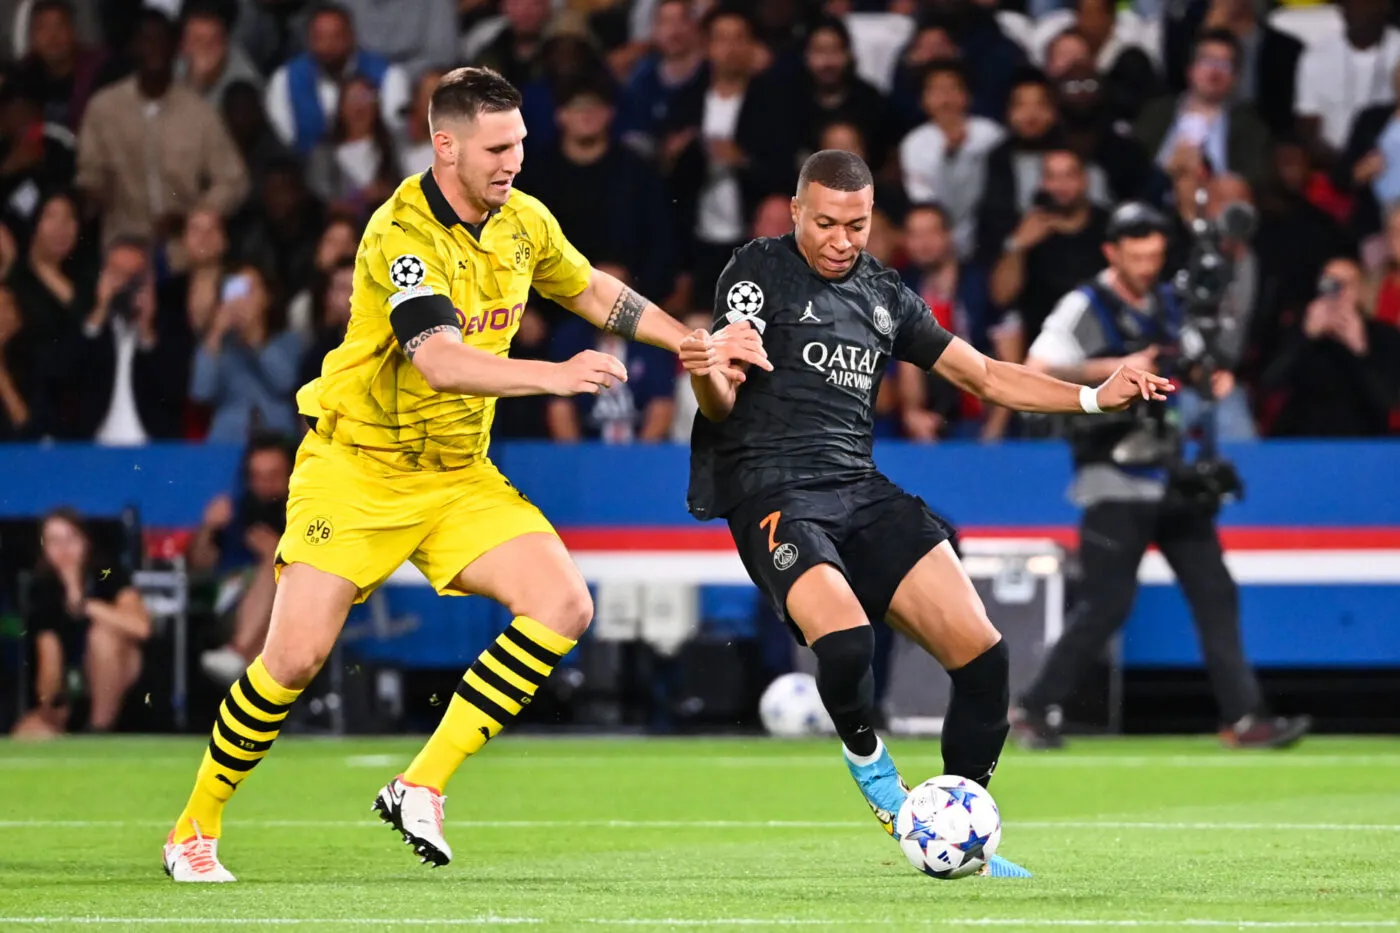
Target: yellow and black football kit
{"type": "Point", "coordinates": [393, 470]}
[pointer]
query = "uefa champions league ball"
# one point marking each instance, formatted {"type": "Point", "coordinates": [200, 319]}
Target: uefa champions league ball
{"type": "Point", "coordinates": [948, 827]}
{"type": "Point", "coordinates": [792, 708]}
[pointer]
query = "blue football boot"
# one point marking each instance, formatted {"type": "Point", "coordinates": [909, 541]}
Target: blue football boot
{"type": "Point", "coordinates": [881, 785]}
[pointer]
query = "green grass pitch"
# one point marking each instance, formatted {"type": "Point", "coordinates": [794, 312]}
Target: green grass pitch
{"type": "Point", "coordinates": [647, 834]}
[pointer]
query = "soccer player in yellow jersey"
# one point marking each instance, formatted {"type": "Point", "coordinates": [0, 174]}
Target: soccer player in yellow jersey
{"type": "Point", "coordinates": [395, 465]}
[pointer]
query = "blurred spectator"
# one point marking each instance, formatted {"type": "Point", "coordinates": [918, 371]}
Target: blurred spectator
{"type": "Point", "coordinates": [990, 57]}
{"type": "Point", "coordinates": [415, 34]}
{"type": "Point", "coordinates": [1295, 239]}
{"type": "Point", "coordinates": [16, 420]}
{"type": "Point", "coordinates": [1014, 166]}
{"type": "Point", "coordinates": [209, 63]}
{"type": "Point", "coordinates": [250, 130]}
{"type": "Point", "coordinates": [356, 167]}
{"type": "Point", "coordinates": [1057, 245]}
{"type": "Point", "coordinates": [246, 366]}
{"type": "Point", "coordinates": [773, 217]}
{"type": "Point", "coordinates": [1090, 129]}
{"type": "Point", "coordinates": [128, 383]}
{"type": "Point", "coordinates": [1343, 73]}
{"type": "Point", "coordinates": [1341, 370]}
{"type": "Point", "coordinates": [237, 540]}
{"type": "Point", "coordinates": [568, 56]}
{"type": "Point", "coordinates": [338, 243]}
{"type": "Point", "coordinates": [58, 71]}
{"type": "Point", "coordinates": [946, 158]}
{"type": "Point", "coordinates": [17, 25]}
{"type": "Point", "coordinates": [1369, 168]}
{"type": "Point", "coordinates": [525, 416]}
{"type": "Point", "coordinates": [1268, 68]}
{"type": "Point", "coordinates": [36, 157]}
{"type": "Point", "coordinates": [826, 89]}
{"type": "Point", "coordinates": [84, 615]}
{"type": "Point", "coordinates": [515, 50]}
{"type": "Point", "coordinates": [53, 289]}
{"type": "Point", "coordinates": [650, 92]}
{"type": "Point", "coordinates": [304, 93]}
{"type": "Point", "coordinates": [1123, 49]}
{"type": "Point", "coordinates": [638, 410]}
{"type": "Point", "coordinates": [714, 145]}
{"type": "Point", "coordinates": [333, 316]}
{"type": "Point", "coordinates": [1064, 51]}
{"type": "Point", "coordinates": [586, 176]}
{"type": "Point", "coordinates": [1205, 128]}
{"type": "Point", "coordinates": [1110, 31]}
{"type": "Point", "coordinates": [889, 194]}
{"type": "Point", "coordinates": [278, 231]}
{"type": "Point", "coordinates": [186, 301]}
{"type": "Point", "coordinates": [415, 145]}
{"type": "Point", "coordinates": [929, 404]}
{"type": "Point", "coordinates": [150, 151]}
{"type": "Point", "coordinates": [272, 31]}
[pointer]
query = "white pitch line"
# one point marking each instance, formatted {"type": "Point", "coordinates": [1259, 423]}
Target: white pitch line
{"type": "Point", "coordinates": [709, 922]}
{"type": "Point", "coordinates": [730, 824]}
{"type": "Point", "coordinates": [1220, 759]}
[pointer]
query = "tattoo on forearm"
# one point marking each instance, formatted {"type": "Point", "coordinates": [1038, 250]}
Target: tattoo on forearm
{"type": "Point", "coordinates": [626, 313]}
{"type": "Point", "coordinates": [414, 343]}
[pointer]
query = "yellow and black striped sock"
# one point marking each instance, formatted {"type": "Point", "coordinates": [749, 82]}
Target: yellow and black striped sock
{"type": "Point", "coordinates": [501, 682]}
{"type": "Point", "coordinates": [247, 724]}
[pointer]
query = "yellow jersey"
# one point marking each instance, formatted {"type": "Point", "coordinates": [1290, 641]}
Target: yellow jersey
{"type": "Point", "coordinates": [369, 395]}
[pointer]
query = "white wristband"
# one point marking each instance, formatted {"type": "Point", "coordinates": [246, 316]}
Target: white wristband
{"type": "Point", "coordinates": [1089, 400]}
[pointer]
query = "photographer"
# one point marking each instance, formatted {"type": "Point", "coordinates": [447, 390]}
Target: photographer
{"type": "Point", "coordinates": [1133, 497]}
{"type": "Point", "coordinates": [1341, 370]}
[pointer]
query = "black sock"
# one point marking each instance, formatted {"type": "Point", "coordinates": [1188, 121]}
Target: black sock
{"type": "Point", "coordinates": [975, 728]}
{"type": "Point", "coordinates": [847, 686]}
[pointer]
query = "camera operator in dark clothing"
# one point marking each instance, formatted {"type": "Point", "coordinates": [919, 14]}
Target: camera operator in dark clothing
{"type": "Point", "coordinates": [1128, 479]}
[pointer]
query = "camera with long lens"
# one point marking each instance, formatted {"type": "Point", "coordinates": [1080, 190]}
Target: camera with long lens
{"type": "Point", "coordinates": [1201, 286]}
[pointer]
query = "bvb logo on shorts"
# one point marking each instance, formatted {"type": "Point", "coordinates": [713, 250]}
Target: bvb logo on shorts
{"type": "Point", "coordinates": [784, 556]}
{"type": "Point", "coordinates": [318, 531]}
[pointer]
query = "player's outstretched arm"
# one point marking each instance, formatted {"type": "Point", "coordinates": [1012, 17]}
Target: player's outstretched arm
{"type": "Point", "coordinates": [451, 366]}
{"type": "Point", "coordinates": [1025, 389]}
{"type": "Point", "coordinates": [615, 307]}
{"type": "Point", "coordinates": [714, 379]}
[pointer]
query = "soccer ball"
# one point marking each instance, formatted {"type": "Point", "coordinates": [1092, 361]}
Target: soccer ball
{"type": "Point", "coordinates": [792, 708]}
{"type": "Point", "coordinates": [948, 827]}
{"type": "Point", "coordinates": [407, 271]}
{"type": "Point", "coordinates": [745, 298]}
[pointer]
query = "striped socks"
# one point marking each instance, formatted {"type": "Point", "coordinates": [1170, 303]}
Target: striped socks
{"type": "Point", "coordinates": [247, 724]}
{"type": "Point", "coordinates": [500, 683]}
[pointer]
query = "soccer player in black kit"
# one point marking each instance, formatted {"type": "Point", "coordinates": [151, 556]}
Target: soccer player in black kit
{"type": "Point", "coordinates": [785, 457]}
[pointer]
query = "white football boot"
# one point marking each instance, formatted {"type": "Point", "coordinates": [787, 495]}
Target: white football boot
{"type": "Point", "coordinates": [194, 860]}
{"type": "Point", "coordinates": [416, 812]}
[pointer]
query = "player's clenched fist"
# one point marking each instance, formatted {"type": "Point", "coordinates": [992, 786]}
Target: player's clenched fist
{"type": "Point", "coordinates": [588, 373]}
{"type": "Point", "coordinates": [1127, 384]}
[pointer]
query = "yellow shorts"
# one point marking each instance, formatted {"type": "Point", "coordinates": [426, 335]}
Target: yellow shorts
{"type": "Point", "coordinates": [360, 520]}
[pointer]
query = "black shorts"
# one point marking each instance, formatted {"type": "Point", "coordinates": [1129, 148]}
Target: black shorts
{"type": "Point", "coordinates": [870, 530]}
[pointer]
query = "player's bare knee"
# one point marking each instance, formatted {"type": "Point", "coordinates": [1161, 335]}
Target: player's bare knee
{"type": "Point", "coordinates": [294, 666]}
{"type": "Point", "coordinates": [567, 610]}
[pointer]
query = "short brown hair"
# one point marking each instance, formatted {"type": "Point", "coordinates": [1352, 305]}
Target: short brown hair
{"type": "Point", "coordinates": [465, 93]}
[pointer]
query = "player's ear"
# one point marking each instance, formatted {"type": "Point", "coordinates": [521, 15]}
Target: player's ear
{"type": "Point", "coordinates": [445, 147]}
{"type": "Point", "coordinates": [792, 206]}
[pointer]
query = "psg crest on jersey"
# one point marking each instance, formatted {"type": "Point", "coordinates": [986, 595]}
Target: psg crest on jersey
{"type": "Point", "coordinates": [883, 323]}
{"type": "Point", "coordinates": [745, 298]}
{"type": "Point", "coordinates": [407, 271]}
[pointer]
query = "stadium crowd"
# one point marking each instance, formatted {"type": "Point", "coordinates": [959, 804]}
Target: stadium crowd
{"type": "Point", "coordinates": [182, 185]}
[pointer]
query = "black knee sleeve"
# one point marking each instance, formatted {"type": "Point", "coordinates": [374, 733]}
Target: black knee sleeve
{"type": "Point", "coordinates": [847, 686]}
{"type": "Point", "coordinates": [975, 728]}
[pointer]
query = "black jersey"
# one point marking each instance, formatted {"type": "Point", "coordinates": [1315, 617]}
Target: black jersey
{"type": "Point", "coordinates": [811, 420]}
